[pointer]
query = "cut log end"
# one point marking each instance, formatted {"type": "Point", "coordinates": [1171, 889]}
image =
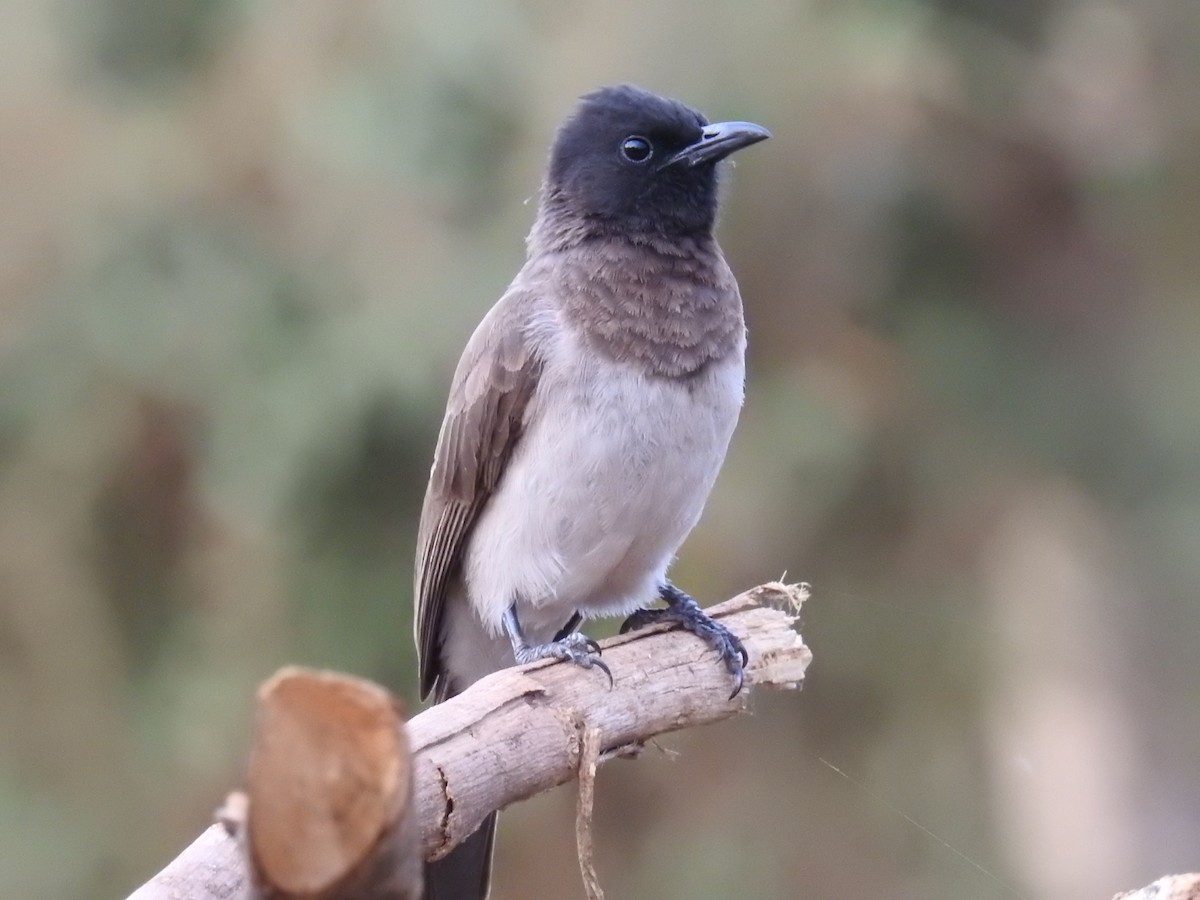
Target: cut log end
{"type": "Point", "coordinates": [328, 782]}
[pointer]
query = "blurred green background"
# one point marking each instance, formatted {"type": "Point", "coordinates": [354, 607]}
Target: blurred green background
{"type": "Point", "coordinates": [242, 244]}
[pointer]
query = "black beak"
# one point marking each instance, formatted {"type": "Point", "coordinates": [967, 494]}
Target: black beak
{"type": "Point", "coordinates": [718, 141]}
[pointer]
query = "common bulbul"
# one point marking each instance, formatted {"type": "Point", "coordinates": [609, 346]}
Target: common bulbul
{"type": "Point", "coordinates": [587, 418]}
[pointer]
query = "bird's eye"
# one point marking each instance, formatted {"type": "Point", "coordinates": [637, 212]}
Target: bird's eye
{"type": "Point", "coordinates": [636, 149]}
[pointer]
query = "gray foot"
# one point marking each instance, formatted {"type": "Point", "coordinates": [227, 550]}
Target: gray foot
{"type": "Point", "coordinates": [683, 611]}
{"type": "Point", "coordinates": [572, 647]}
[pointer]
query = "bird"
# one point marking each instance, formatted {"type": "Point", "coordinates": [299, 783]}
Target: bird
{"type": "Point", "coordinates": [587, 418]}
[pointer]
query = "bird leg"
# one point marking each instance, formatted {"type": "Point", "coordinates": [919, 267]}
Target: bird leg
{"type": "Point", "coordinates": [685, 612]}
{"type": "Point", "coordinates": [568, 645]}
{"type": "Point", "coordinates": [569, 628]}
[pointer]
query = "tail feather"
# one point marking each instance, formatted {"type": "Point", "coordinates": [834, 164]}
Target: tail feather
{"type": "Point", "coordinates": [465, 873]}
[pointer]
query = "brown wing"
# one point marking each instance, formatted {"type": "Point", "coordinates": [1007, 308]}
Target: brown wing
{"type": "Point", "coordinates": [484, 418]}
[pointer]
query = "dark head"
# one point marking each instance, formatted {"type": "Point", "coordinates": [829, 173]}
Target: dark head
{"type": "Point", "coordinates": [629, 162]}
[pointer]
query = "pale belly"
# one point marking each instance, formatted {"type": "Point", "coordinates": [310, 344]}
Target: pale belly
{"type": "Point", "coordinates": [604, 487]}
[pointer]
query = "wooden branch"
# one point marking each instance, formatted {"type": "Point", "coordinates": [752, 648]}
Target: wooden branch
{"type": "Point", "coordinates": [521, 731]}
{"type": "Point", "coordinates": [1169, 887]}
{"type": "Point", "coordinates": [665, 680]}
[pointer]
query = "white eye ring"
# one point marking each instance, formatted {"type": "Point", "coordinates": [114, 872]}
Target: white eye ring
{"type": "Point", "coordinates": [636, 148]}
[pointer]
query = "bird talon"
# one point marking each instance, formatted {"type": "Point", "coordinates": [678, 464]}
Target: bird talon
{"type": "Point", "coordinates": [683, 611]}
{"type": "Point", "coordinates": [575, 648]}
{"type": "Point", "coordinates": [603, 667]}
{"type": "Point", "coordinates": [737, 684]}
{"type": "Point", "coordinates": [590, 659]}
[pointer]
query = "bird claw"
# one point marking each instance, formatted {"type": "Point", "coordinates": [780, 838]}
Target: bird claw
{"type": "Point", "coordinates": [575, 648]}
{"type": "Point", "coordinates": [690, 617]}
